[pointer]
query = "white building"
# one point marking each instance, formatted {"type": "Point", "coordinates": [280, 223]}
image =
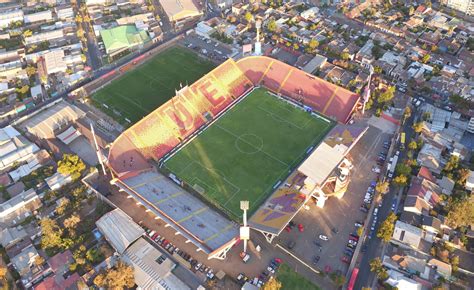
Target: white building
{"type": "Point", "coordinates": [10, 16]}
{"type": "Point", "coordinates": [64, 12]}
{"type": "Point", "coordinates": [19, 207]}
{"type": "Point", "coordinates": [407, 234]}
{"type": "Point", "coordinates": [44, 36]}
{"type": "Point", "coordinates": [54, 62]}
{"type": "Point", "coordinates": [46, 15]}
{"type": "Point", "coordinates": [465, 6]}
{"type": "Point", "coordinates": [14, 147]}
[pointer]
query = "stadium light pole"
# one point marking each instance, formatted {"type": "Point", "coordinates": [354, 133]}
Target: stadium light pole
{"type": "Point", "coordinates": [244, 230]}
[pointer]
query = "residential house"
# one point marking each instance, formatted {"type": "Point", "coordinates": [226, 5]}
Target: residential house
{"type": "Point", "coordinates": [407, 235]}
{"type": "Point", "coordinates": [25, 264]}
{"type": "Point", "coordinates": [54, 62]}
{"type": "Point", "coordinates": [42, 16]}
{"type": "Point", "coordinates": [470, 181]}
{"type": "Point", "coordinates": [8, 17]}
{"type": "Point", "coordinates": [416, 205]}
{"type": "Point", "coordinates": [14, 147]}
{"type": "Point", "coordinates": [10, 236]}
{"type": "Point", "coordinates": [442, 268]}
{"type": "Point", "coordinates": [44, 36]}
{"type": "Point", "coordinates": [426, 190]}
{"type": "Point", "coordinates": [446, 184]}
{"type": "Point", "coordinates": [430, 157]}
{"type": "Point", "coordinates": [431, 224]}
{"type": "Point", "coordinates": [19, 207]}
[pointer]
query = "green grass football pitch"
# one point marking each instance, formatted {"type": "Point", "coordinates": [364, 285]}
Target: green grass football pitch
{"type": "Point", "coordinates": [139, 91]}
{"type": "Point", "coordinates": [247, 151]}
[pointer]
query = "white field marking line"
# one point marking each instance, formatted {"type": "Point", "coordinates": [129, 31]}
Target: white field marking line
{"type": "Point", "coordinates": [267, 192]}
{"type": "Point", "coordinates": [283, 120]}
{"type": "Point", "coordinates": [139, 105]}
{"type": "Point", "coordinates": [269, 155]}
{"type": "Point", "coordinates": [257, 149]}
{"type": "Point", "coordinates": [126, 101]}
{"type": "Point", "coordinates": [157, 80]}
{"type": "Point", "coordinates": [219, 115]}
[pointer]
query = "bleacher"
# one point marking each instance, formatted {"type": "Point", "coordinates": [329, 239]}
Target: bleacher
{"type": "Point", "coordinates": [324, 97]}
{"type": "Point", "coordinates": [163, 129]}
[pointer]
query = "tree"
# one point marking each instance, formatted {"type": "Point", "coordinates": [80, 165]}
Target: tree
{"type": "Point", "coordinates": [23, 89]}
{"type": "Point", "coordinates": [313, 44]}
{"type": "Point", "coordinates": [30, 71]}
{"type": "Point", "coordinates": [403, 169]}
{"type": "Point", "coordinates": [400, 180]}
{"type": "Point", "coordinates": [78, 18]}
{"type": "Point", "coordinates": [248, 16]}
{"type": "Point", "coordinates": [345, 55]}
{"type": "Point", "coordinates": [418, 127]}
{"type": "Point", "coordinates": [80, 33]}
{"type": "Point", "coordinates": [382, 187]}
{"type": "Point", "coordinates": [406, 113]}
{"type": "Point", "coordinates": [3, 273]}
{"type": "Point", "coordinates": [119, 277]}
{"type": "Point", "coordinates": [455, 263]}
{"type": "Point", "coordinates": [425, 58]}
{"type": "Point", "coordinates": [71, 165]}
{"type": "Point", "coordinates": [87, 18]}
{"type": "Point", "coordinates": [377, 52]}
{"type": "Point", "coordinates": [461, 213]}
{"type": "Point", "coordinates": [413, 145]}
{"type": "Point", "coordinates": [385, 231]}
{"type": "Point", "coordinates": [296, 46]}
{"type": "Point", "coordinates": [272, 284]}
{"type": "Point", "coordinates": [63, 205]}
{"type": "Point", "coordinates": [100, 280]}
{"type": "Point", "coordinates": [462, 176]}
{"type": "Point", "coordinates": [451, 165]}
{"type": "Point", "coordinates": [387, 95]}
{"type": "Point", "coordinates": [272, 26]}
{"type": "Point", "coordinates": [83, 57]}
{"type": "Point", "coordinates": [39, 261]}
{"type": "Point", "coordinates": [377, 267]}
{"type": "Point", "coordinates": [27, 33]}
{"type": "Point", "coordinates": [72, 222]}
{"type": "Point", "coordinates": [51, 234]}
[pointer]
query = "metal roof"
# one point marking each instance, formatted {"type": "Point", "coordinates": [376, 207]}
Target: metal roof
{"type": "Point", "coordinates": [119, 229]}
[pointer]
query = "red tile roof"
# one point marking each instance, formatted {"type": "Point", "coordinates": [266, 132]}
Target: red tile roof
{"type": "Point", "coordinates": [60, 260]}
{"type": "Point", "coordinates": [426, 174]}
{"type": "Point", "coordinates": [48, 284]}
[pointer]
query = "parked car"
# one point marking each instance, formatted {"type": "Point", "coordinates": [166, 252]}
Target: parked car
{"type": "Point", "coordinates": [352, 242]}
{"type": "Point", "coordinates": [358, 224]}
{"type": "Point", "coordinates": [346, 259]}
{"type": "Point", "coordinates": [323, 237]}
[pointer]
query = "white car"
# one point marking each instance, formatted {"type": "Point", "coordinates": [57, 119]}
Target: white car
{"type": "Point", "coordinates": [323, 237]}
{"type": "Point", "coordinates": [352, 242]}
{"type": "Point", "coordinates": [376, 169]}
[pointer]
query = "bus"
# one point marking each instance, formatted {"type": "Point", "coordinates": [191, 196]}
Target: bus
{"type": "Point", "coordinates": [353, 279]}
{"type": "Point", "coordinates": [402, 141]}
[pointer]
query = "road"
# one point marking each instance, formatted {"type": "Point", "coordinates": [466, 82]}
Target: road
{"type": "Point", "coordinates": [374, 245]}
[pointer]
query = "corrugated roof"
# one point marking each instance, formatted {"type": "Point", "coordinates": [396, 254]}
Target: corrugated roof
{"type": "Point", "coordinates": [119, 229]}
{"type": "Point", "coordinates": [123, 37]}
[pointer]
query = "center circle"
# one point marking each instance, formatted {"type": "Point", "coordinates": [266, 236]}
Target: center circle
{"type": "Point", "coordinates": [249, 143]}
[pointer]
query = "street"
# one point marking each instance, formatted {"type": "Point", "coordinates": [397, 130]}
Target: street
{"type": "Point", "coordinates": [366, 278]}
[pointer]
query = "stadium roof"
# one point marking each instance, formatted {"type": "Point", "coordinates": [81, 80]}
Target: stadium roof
{"type": "Point", "coordinates": [319, 165]}
{"type": "Point", "coordinates": [122, 37]}
{"type": "Point", "coordinates": [180, 9]}
{"type": "Point", "coordinates": [286, 201]}
{"type": "Point", "coordinates": [119, 229]}
{"type": "Point", "coordinates": [188, 215]}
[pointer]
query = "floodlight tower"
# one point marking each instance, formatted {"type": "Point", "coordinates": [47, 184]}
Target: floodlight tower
{"type": "Point", "coordinates": [258, 44]}
{"type": "Point", "coordinates": [244, 230]}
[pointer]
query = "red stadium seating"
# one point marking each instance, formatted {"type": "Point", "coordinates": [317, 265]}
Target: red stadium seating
{"type": "Point", "coordinates": [167, 126]}
{"type": "Point", "coordinates": [163, 129]}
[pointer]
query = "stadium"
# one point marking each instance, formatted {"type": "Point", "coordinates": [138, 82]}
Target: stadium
{"type": "Point", "coordinates": [254, 129]}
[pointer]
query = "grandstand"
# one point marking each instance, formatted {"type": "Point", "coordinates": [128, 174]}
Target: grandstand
{"type": "Point", "coordinates": [146, 144]}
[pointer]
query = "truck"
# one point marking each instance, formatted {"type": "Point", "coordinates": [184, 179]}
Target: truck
{"type": "Point", "coordinates": [402, 140]}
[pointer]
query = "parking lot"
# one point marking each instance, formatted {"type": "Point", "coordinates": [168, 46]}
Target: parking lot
{"type": "Point", "coordinates": [337, 219]}
{"type": "Point", "coordinates": [208, 47]}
